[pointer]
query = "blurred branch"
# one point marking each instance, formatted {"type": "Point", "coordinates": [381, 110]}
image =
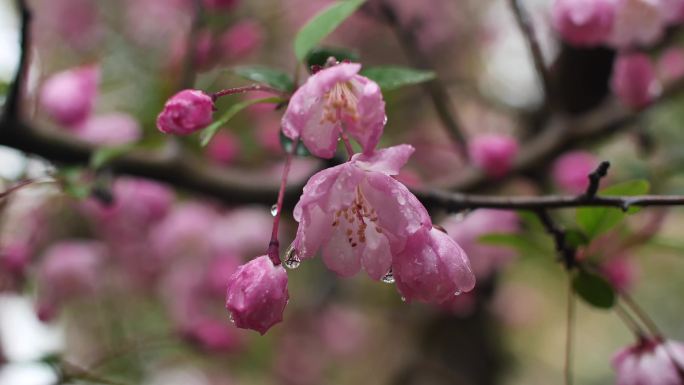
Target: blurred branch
{"type": "Point", "coordinates": [565, 252]}
{"type": "Point", "coordinates": [522, 18]}
{"type": "Point", "coordinates": [595, 179]}
{"type": "Point", "coordinates": [435, 89]}
{"type": "Point", "coordinates": [15, 92]}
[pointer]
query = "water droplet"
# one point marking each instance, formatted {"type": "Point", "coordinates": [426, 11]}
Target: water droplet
{"type": "Point", "coordinates": [403, 299]}
{"type": "Point", "coordinates": [389, 277]}
{"type": "Point", "coordinates": [292, 260]}
{"type": "Point", "coordinates": [274, 210]}
{"type": "Point", "coordinates": [230, 317]}
{"type": "Point", "coordinates": [457, 293]}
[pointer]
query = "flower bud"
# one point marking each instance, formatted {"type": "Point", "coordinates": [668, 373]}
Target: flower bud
{"type": "Point", "coordinates": [571, 171]}
{"type": "Point", "coordinates": [583, 22]}
{"type": "Point", "coordinates": [493, 153]}
{"type": "Point", "coordinates": [257, 294]}
{"type": "Point", "coordinates": [113, 129]}
{"type": "Point", "coordinates": [634, 81]}
{"type": "Point", "coordinates": [186, 112]}
{"type": "Point", "coordinates": [69, 96]}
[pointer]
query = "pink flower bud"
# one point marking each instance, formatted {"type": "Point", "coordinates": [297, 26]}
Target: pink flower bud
{"type": "Point", "coordinates": [186, 112]}
{"type": "Point", "coordinates": [257, 294]}
{"type": "Point", "coordinates": [638, 23]}
{"type": "Point", "coordinates": [493, 153]}
{"type": "Point", "coordinates": [110, 130]}
{"type": "Point", "coordinates": [69, 96]}
{"type": "Point", "coordinates": [241, 39]}
{"type": "Point", "coordinates": [650, 361]}
{"type": "Point", "coordinates": [15, 257]}
{"type": "Point", "coordinates": [634, 81]}
{"type": "Point", "coordinates": [620, 271]}
{"type": "Point", "coordinates": [223, 148]}
{"type": "Point", "coordinates": [584, 22]}
{"type": "Point", "coordinates": [671, 65]}
{"type": "Point", "coordinates": [220, 4]}
{"type": "Point", "coordinates": [571, 171]}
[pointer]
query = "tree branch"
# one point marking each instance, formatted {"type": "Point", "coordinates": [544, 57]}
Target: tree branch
{"type": "Point", "coordinates": [15, 92]}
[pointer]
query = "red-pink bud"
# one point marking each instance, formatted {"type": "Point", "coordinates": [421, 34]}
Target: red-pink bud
{"type": "Point", "coordinates": [493, 153]}
{"type": "Point", "coordinates": [186, 112]}
{"type": "Point", "coordinates": [571, 171]}
{"type": "Point", "coordinates": [634, 81]}
{"type": "Point", "coordinates": [257, 294]}
{"type": "Point", "coordinates": [69, 96]}
{"type": "Point", "coordinates": [584, 22]}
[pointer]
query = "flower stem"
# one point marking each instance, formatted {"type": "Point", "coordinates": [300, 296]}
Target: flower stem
{"type": "Point", "coordinates": [641, 315]}
{"type": "Point", "coordinates": [569, 332]}
{"type": "Point", "coordinates": [631, 324]}
{"type": "Point", "coordinates": [274, 244]}
{"type": "Point", "coordinates": [241, 90]}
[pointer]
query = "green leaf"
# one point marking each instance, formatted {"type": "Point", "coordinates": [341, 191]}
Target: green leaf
{"type": "Point", "coordinates": [576, 238]}
{"type": "Point", "coordinates": [265, 75]}
{"type": "Point", "coordinates": [319, 56]}
{"type": "Point", "coordinates": [594, 290]}
{"type": "Point", "coordinates": [212, 129]}
{"type": "Point", "coordinates": [322, 24]}
{"type": "Point", "coordinates": [286, 143]}
{"type": "Point", "coordinates": [391, 78]}
{"type": "Point", "coordinates": [105, 155]}
{"type": "Point", "coordinates": [597, 220]}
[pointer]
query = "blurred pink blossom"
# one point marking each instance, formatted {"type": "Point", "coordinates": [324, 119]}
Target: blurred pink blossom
{"type": "Point", "coordinates": [184, 231]}
{"type": "Point", "coordinates": [650, 361]}
{"type": "Point", "coordinates": [485, 259]}
{"type": "Point", "coordinates": [112, 129]}
{"type": "Point", "coordinates": [634, 80]}
{"type": "Point", "coordinates": [342, 330]}
{"type": "Point", "coordinates": [671, 65]}
{"type": "Point", "coordinates": [584, 22]}
{"type": "Point", "coordinates": [638, 23]}
{"type": "Point", "coordinates": [240, 40]}
{"type": "Point", "coordinates": [75, 22]}
{"type": "Point", "coordinates": [571, 171]}
{"type": "Point", "coordinates": [223, 148]}
{"type": "Point", "coordinates": [251, 236]}
{"type": "Point", "coordinates": [620, 271]}
{"type": "Point", "coordinates": [493, 153]}
{"type": "Point", "coordinates": [257, 294]}
{"type": "Point", "coordinates": [68, 97]}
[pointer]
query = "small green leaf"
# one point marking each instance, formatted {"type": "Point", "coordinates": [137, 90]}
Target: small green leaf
{"type": "Point", "coordinates": [594, 289]}
{"type": "Point", "coordinates": [597, 220]}
{"type": "Point", "coordinates": [322, 24]}
{"type": "Point", "coordinates": [269, 76]}
{"type": "Point", "coordinates": [576, 238]}
{"type": "Point", "coordinates": [319, 56]}
{"type": "Point", "coordinates": [391, 78]}
{"type": "Point", "coordinates": [212, 129]}
{"type": "Point", "coordinates": [286, 143]}
{"type": "Point", "coordinates": [105, 155]}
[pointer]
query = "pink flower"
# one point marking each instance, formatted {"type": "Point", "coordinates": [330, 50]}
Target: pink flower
{"type": "Point", "coordinates": [69, 269]}
{"type": "Point", "coordinates": [257, 294]}
{"type": "Point", "coordinates": [358, 215]}
{"type": "Point", "coordinates": [634, 81]}
{"type": "Point", "coordinates": [75, 22]}
{"type": "Point", "coordinates": [241, 39]}
{"type": "Point", "coordinates": [671, 65]}
{"type": "Point", "coordinates": [571, 171]}
{"type": "Point", "coordinates": [220, 4]}
{"type": "Point", "coordinates": [342, 330]}
{"type": "Point", "coordinates": [15, 257]}
{"type": "Point", "coordinates": [620, 271]}
{"type": "Point", "coordinates": [251, 236]}
{"type": "Point", "coordinates": [652, 362]}
{"type": "Point", "coordinates": [185, 231]}
{"type": "Point", "coordinates": [212, 335]}
{"type": "Point", "coordinates": [223, 148]}
{"type": "Point", "coordinates": [493, 153]}
{"type": "Point", "coordinates": [432, 268]}
{"type": "Point", "coordinates": [332, 101]}
{"type": "Point", "coordinates": [638, 23]}
{"type": "Point", "coordinates": [485, 259]}
{"type": "Point", "coordinates": [673, 10]}
{"type": "Point", "coordinates": [110, 130]}
{"type": "Point", "coordinates": [186, 112]}
{"type": "Point", "coordinates": [584, 22]}
{"type": "Point", "coordinates": [69, 96]}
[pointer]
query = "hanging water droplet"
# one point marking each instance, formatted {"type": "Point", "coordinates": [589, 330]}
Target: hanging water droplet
{"type": "Point", "coordinates": [403, 299]}
{"type": "Point", "coordinates": [230, 317]}
{"type": "Point", "coordinates": [292, 260]}
{"type": "Point", "coordinates": [274, 210]}
{"type": "Point", "coordinates": [388, 278]}
{"type": "Point", "coordinates": [457, 293]}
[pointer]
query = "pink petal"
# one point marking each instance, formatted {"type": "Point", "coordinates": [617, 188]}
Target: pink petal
{"type": "Point", "coordinates": [387, 160]}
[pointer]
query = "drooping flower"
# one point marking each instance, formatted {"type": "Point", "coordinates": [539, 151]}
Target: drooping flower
{"type": "Point", "coordinates": [69, 96]}
{"type": "Point", "coordinates": [584, 22]}
{"type": "Point", "coordinates": [650, 361]}
{"type": "Point", "coordinates": [638, 23]}
{"type": "Point", "coordinates": [634, 80]}
{"type": "Point", "coordinates": [493, 153]}
{"type": "Point", "coordinates": [571, 171]}
{"type": "Point", "coordinates": [432, 268]}
{"type": "Point", "coordinates": [485, 259]}
{"type": "Point", "coordinates": [110, 129]}
{"type": "Point", "coordinates": [257, 294]}
{"type": "Point", "coordinates": [186, 112]}
{"type": "Point", "coordinates": [358, 215]}
{"type": "Point", "coordinates": [332, 101]}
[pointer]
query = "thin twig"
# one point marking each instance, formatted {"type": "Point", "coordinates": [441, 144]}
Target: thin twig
{"type": "Point", "coordinates": [641, 314]}
{"type": "Point", "coordinates": [595, 179]}
{"type": "Point", "coordinates": [565, 252]}
{"type": "Point", "coordinates": [249, 88]}
{"type": "Point", "coordinates": [522, 18]}
{"type": "Point", "coordinates": [627, 319]}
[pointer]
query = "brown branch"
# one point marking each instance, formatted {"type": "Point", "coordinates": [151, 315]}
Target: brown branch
{"type": "Point", "coordinates": [522, 18]}
{"type": "Point", "coordinates": [595, 179]}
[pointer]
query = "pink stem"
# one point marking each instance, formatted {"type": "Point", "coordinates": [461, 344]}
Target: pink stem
{"type": "Point", "coordinates": [240, 90]}
{"type": "Point", "coordinates": [274, 244]}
